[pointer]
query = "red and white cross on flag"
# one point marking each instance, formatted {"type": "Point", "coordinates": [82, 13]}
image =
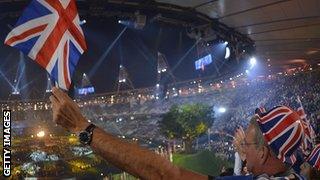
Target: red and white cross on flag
{"type": "Point", "coordinates": [49, 32]}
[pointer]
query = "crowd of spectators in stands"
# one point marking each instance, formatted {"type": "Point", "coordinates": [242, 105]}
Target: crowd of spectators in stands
{"type": "Point", "coordinates": [135, 114]}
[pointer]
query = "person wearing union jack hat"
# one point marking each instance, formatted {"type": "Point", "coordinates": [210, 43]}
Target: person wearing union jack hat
{"type": "Point", "coordinates": [276, 142]}
{"type": "Point", "coordinates": [269, 145]}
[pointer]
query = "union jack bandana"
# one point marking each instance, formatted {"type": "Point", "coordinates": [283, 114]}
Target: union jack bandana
{"type": "Point", "coordinates": [285, 132]}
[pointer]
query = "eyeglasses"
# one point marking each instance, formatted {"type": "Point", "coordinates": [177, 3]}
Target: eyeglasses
{"type": "Point", "coordinates": [248, 144]}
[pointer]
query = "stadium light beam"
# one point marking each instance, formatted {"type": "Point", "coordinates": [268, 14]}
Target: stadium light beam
{"type": "Point", "coordinates": [6, 79]}
{"type": "Point", "coordinates": [104, 55]}
{"type": "Point", "coordinates": [184, 56]}
{"type": "Point", "coordinates": [20, 75]}
{"type": "Point", "coordinates": [27, 84]}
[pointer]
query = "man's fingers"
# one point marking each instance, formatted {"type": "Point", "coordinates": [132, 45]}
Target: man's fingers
{"type": "Point", "coordinates": [56, 93]}
{"type": "Point", "coordinates": [240, 133]}
{"type": "Point", "coordinates": [59, 94]}
{"type": "Point", "coordinates": [53, 100]}
{"type": "Point", "coordinates": [55, 103]}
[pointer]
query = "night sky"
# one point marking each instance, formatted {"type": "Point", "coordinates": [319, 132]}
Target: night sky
{"type": "Point", "coordinates": [136, 50]}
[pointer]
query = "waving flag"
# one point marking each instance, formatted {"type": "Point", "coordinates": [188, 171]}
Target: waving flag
{"type": "Point", "coordinates": [260, 111]}
{"type": "Point", "coordinates": [314, 157]}
{"type": "Point", "coordinates": [49, 32]}
{"type": "Point", "coordinates": [309, 134]}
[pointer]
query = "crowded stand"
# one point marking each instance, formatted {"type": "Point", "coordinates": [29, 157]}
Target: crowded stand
{"type": "Point", "coordinates": [134, 115]}
{"type": "Point", "coordinates": [160, 89]}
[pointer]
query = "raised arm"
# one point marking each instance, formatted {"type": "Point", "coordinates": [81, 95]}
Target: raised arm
{"type": "Point", "coordinates": [129, 157]}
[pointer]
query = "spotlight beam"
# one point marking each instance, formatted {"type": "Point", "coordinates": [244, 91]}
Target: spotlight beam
{"type": "Point", "coordinates": [20, 76]}
{"type": "Point", "coordinates": [184, 56]}
{"type": "Point", "coordinates": [104, 55]}
{"type": "Point", "coordinates": [26, 85]}
{"type": "Point", "coordinates": [144, 51]}
{"type": "Point", "coordinates": [6, 79]}
{"type": "Point", "coordinates": [18, 71]}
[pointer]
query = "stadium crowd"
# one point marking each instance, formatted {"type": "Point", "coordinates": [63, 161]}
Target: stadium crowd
{"type": "Point", "coordinates": [134, 114]}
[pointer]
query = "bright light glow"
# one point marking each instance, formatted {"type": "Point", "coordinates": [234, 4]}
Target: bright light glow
{"type": "Point", "coordinates": [222, 110]}
{"type": "Point", "coordinates": [227, 53]}
{"type": "Point", "coordinates": [40, 134]}
{"type": "Point", "coordinates": [16, 91]}
{"type": "Point", "coordinates": [158, 85]}
{"type": "Point", "coordinates": [253, 62]}
{"type": "Point", "coordinates": [82, 22]}
{"type": "Point", "coordinates": [119, 21]}
{"type": "Point", "coordinates": [247, 71]}
{"type": "Point", "coordinates": [226, 43]}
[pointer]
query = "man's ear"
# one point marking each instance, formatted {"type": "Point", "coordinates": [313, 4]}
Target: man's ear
{"type": "Point", "coordinates": [263, 154]}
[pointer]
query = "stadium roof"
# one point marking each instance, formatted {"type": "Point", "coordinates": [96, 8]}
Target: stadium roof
{"type": "Point", "coordinates": [282, 29]}
{"type": "Point", "coordinates": [285, 31]}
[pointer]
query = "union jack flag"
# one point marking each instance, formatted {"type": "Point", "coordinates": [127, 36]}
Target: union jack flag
{"type": "Point", "coordinates": [282, 129]}
{"type": "Point", "coordinates": [309, 134]}
{"type": "Point", "coordinates": [314, 157]}
{"type": "Point", "coordinates": [259, 111]}
{"type": "Point", "coordinates": [49, 32]}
